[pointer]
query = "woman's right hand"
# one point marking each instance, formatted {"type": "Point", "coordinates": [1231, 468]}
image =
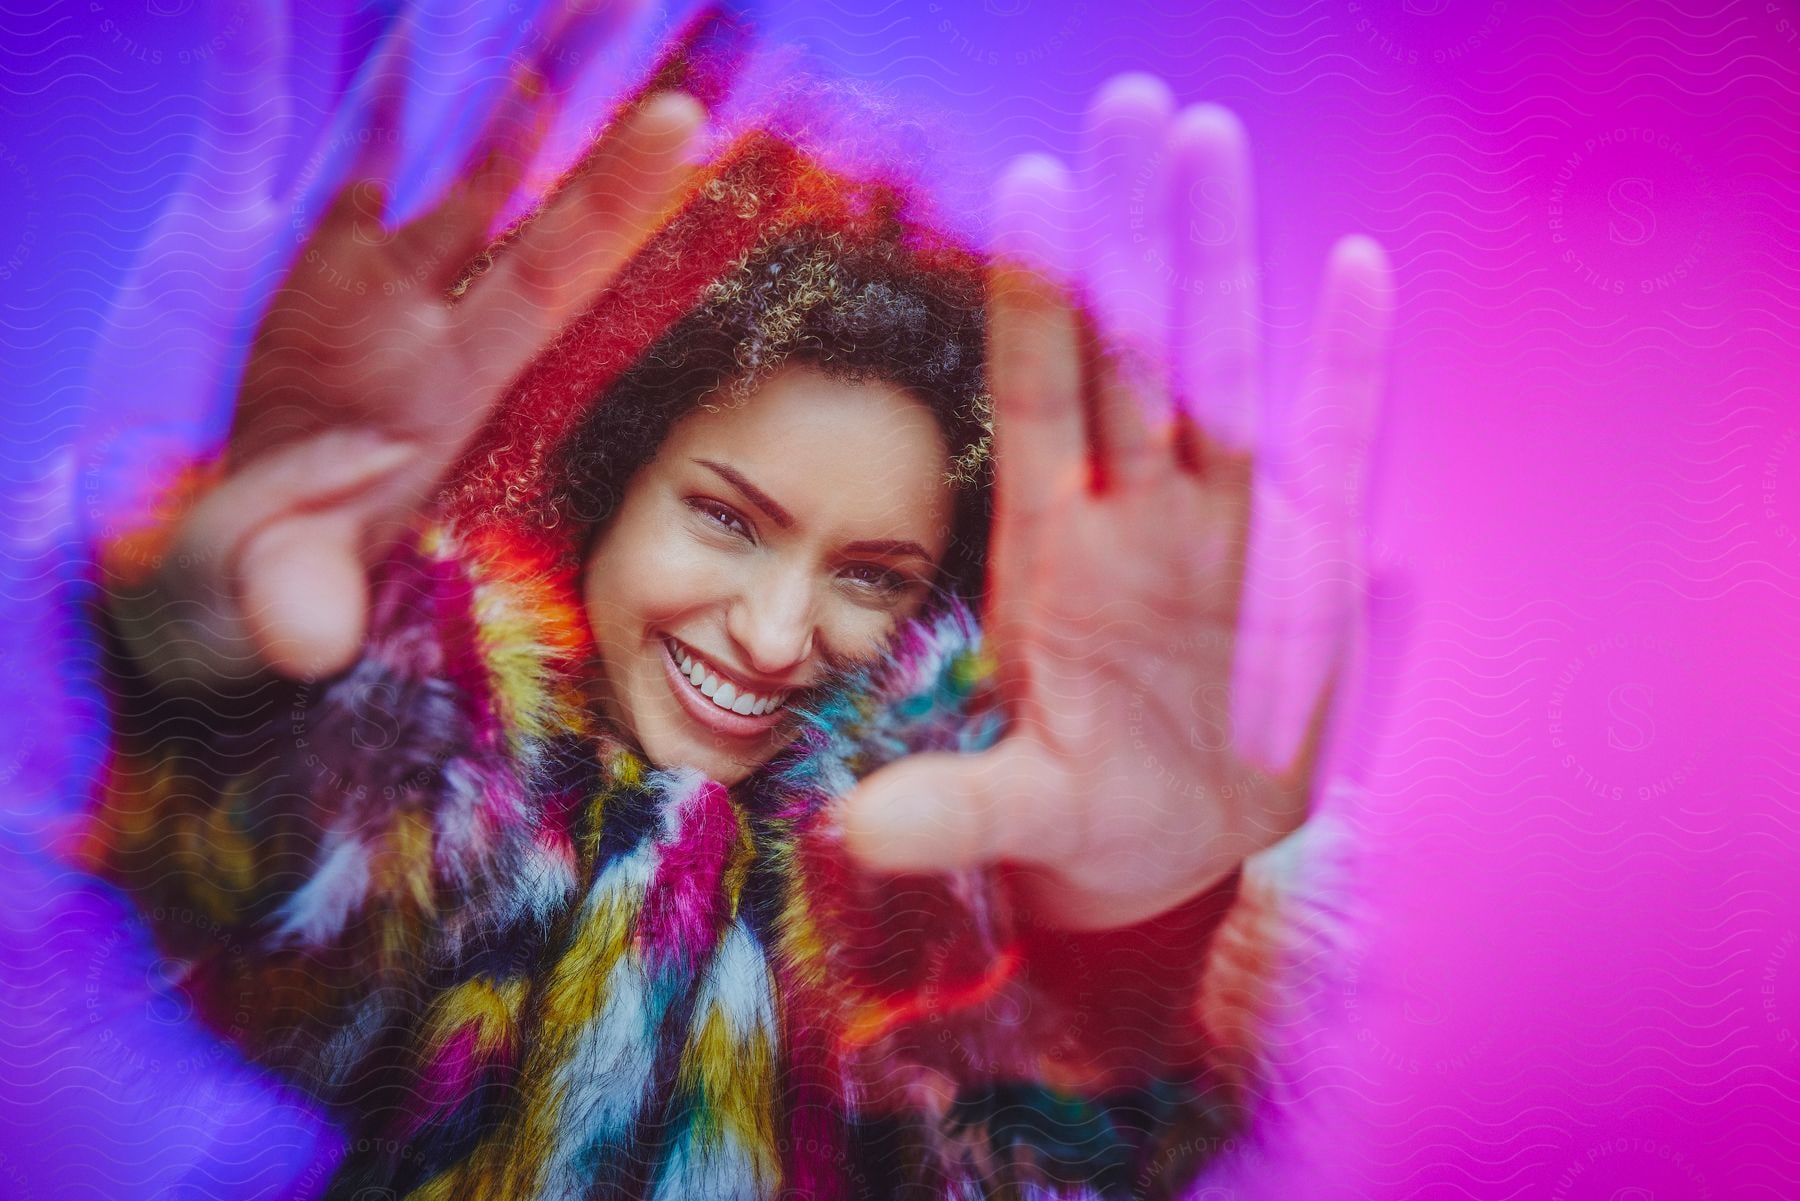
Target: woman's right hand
{"type": "Point", "coordinates": [366, 378]}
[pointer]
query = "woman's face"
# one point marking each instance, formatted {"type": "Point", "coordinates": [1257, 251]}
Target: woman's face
{"type": "Point", "coordinates": [808, 520]}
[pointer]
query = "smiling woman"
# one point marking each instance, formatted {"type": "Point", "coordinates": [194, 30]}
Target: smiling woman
{"type": "Point", "coordinates": [823, 424]}
{"type": "Point", "coordinates": [711, 601]}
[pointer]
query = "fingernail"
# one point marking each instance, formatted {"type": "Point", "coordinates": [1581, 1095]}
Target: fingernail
{"type": "Point", "coordinates": [1209, 127]}
{"type": "Point", "coordinates": [1138, 94]}
{"type": "Point", "coordinates": [348, 460]}
{"type": "Point", "coordinates": [1034, 206]}
{"type": "Point", "coordinates": [1362, 251]}
{"type": "Point", "coordinates": [374, 447]}
{"type": "Point", "coordinates": [675, 107]}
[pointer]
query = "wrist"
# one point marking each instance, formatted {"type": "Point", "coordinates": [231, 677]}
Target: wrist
{"type": "Point", "coordinates": [1054, 902]}
{"type": "Point", "coordinates": [1132, 989]}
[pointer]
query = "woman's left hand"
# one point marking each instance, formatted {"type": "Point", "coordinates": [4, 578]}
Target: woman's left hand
{"type": "Point", "coordinates": [1169, 612]}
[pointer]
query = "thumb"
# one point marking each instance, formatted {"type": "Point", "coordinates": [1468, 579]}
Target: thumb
{"type": "Point", "coordinates": [222, 603]}
{"type": "Point", "coordinates": [944, 811]}
{"type": "Point", "coordinates": [304, 593]}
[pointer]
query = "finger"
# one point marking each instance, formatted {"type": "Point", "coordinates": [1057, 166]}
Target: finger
{"type": "Point", "coordinates": [252, 101]}
{"type": "Point", "coordinates": [1124, 241]}
{"type": "Point", "coordinates": [1284, 801]}
{"type": "Point", "coordinates": [1035, 213]}
{"type": "Point", "coordinates": [457, 93]}
{"type": "Point", "coordinates": [377, 133]}
{"type": "Point", "coordinates": [358, 208]}
{"type": "Point", "coordinates": [302, 591]}
{"type": "Point", "coordinates": [1303, 584]}
{"type": "Point", "coordinates": [943, 812]}
{"type": "Point", "coordinates": [362, 139]}
{"type": "Point", "coordinates": [293, 531]}
{"type": "Point", "coordinates": [311, 473]}
{"type": "Point", "coordinates": [1127, 261]}
{"type": "Point", "coordinates": [1216, 323]}
{"type": "Point", "coordinates": [449, 62]}
{"type": "Point", "coordinates": [1034, 351]}
{"type": "Point", "coordinates": [702, 60]}
{"type": "Point", "coordinates": [186, 621]}
{"type": "Point", "coordinates": [577, 34]}
{"type": "Point", "coordinates": [704, 57]}
{"type": "Point", "coordinates": [460, 225]}
{"type": "Point", "coordinates": [360, 211]}
{"type": "Point", "coordinates": [1127, 450]}
{"type": "Point", "coordinates": [569, 252]}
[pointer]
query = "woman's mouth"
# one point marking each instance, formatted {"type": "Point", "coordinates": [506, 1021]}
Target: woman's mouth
{"type": "Point", "coordinates": [715, 703]}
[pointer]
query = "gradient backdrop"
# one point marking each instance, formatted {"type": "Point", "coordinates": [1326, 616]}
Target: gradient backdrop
{"type": "Point", "coordinates": [1576, 968]}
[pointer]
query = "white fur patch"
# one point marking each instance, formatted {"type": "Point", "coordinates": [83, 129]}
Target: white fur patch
{"type": "Point", "coordinates": [676, 787]}
{"type": "Point", "coordinates": [543, 886]}
{"type": "Point", "coordinates": [459, 819]}
{"type": "Point", "coordinates": [737, 983]}
{"type": "Point", "coordinates": [603, 1080]}
{"type": "Point", "coordinates": [316, 912]}
{"type": "Point", "coordinates": [623, 883]}
{"type": "Point", "coordinates": [725, 1171]}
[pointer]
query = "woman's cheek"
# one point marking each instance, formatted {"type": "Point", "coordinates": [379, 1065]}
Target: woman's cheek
{"type": "Point", "coordinates": [856, 631]}
{"type": "Point", "coordinates": [685, 578]}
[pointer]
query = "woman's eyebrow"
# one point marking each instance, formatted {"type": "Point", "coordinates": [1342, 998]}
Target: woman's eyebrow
{"type": "Point", "coordinates": [758, 497]}
{"type": "Point", "coordinates": [781, 517]}
{"type": "Point", "coordinates": [888, 546]}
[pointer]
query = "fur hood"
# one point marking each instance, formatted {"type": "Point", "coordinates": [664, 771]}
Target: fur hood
{"type": "Point", "coordinates": [516, 961]}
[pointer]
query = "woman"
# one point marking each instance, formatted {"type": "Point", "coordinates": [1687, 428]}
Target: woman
{"type": "Point", "coordinates": [479, 852]}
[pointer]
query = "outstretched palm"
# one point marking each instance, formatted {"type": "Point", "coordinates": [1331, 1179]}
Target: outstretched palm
{"type": "Point", "coordinates": [375, 362]}
{"type": "Point", "coordinates": [1168, 616]}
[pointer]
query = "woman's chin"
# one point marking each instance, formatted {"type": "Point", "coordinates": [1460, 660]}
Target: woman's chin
{"type": "Point", "coordinates": [666, 751]}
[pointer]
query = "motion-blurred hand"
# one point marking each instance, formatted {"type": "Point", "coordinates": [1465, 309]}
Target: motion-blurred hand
{"type": "Point", "coordinates": [1173, 584]}
{"type": "Point", "coordinates": [370, 371]}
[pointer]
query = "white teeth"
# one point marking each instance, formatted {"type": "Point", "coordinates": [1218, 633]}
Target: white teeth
{"type": "Point", "coordinates": [725, 694]}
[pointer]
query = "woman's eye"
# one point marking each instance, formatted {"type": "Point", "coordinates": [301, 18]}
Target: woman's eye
{"type": "Point", "coordinates": [720, 515]}
{"type": "Point", "coordinates": [883, 580]}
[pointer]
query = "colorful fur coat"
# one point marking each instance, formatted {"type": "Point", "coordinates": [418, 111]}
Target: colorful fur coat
{"type": "Point", "coordinates": [516, 962]}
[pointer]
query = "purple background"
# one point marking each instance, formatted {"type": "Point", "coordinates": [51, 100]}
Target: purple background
{"type": "Point", "coordinates": [1576, 972]}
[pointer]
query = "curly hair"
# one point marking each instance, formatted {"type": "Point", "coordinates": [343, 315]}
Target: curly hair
{"type": "Point", "coordinates": [856, 310]}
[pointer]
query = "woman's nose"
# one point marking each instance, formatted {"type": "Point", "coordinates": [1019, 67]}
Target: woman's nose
{"type": "Point", "coordinates": [772, 623]}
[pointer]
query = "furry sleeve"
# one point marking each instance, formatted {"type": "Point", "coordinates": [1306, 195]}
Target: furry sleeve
{"type": "Point", "coordinates": [1032, 1053]}
{"type": "Point", "coordinates": [315, 855]}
